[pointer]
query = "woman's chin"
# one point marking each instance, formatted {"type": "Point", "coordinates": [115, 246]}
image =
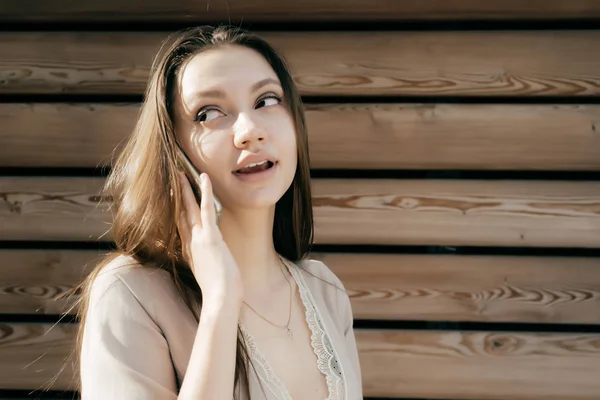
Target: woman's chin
{"type": "Point", "coordinates": [256, 195]}
{"type": "Point", "coordinates": [260, 199]}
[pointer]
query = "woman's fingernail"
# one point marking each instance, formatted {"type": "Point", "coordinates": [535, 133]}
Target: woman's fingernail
{"type": "Point", "coordinates": [203, 179]}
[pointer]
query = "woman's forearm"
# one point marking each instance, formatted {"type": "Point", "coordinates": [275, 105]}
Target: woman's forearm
{"type": "Point", "coordinates": [211, 369]}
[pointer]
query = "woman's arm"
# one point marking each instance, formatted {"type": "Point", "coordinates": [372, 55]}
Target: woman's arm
{"type": "Point", "coordinates": [211, 369]}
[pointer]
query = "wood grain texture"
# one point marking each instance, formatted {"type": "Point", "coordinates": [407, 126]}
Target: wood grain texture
{"type": "Point", "coordinates": [353, 136]}
{"type": "Point", "coordinates": [474, 365]}
{"type": "Point", "coordinates": [33, 355]}
{"type": "Point", "coordinates": [412, 212]}
{"type": "Point", "coordinates": [470, 288]}
{"type": "Point", "coordinates": [381, 286]}
{"type": "Point", "coordinates": [468, 63]}
{"type": "Point", "coordinates": [63, 135]}
{"type": "Point", "coordinates": [34, 208]}
{"type": "Point", "coordinates": [445, 212]}
{"type": "Point", "coordinates": [300, 10]}
{"type": "Point", "coordinates": [479, 365]}
{"type": "Point", "coordinates": [31, 279]}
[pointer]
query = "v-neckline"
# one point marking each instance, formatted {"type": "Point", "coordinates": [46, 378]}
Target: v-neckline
{"type": "Point", "coordinates": [334, 379]}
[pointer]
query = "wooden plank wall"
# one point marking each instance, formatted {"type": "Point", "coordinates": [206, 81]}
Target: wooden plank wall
{"type": "Point", "coordinates": [455, 149]}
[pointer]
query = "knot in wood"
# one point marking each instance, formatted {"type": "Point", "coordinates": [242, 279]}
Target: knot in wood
{"type": "Point", "coordinates": [409, 203]}
{"type": "Point", "coordinates": [501, 344]}
{"type": "Point", "coordinates": [15, 207]}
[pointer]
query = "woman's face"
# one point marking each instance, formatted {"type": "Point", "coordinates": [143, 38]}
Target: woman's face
{"type": "Point", "coordinates": [232, 122]}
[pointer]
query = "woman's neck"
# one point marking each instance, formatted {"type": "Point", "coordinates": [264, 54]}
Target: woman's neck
{"type": "Point", "coordinates": [249, 235]}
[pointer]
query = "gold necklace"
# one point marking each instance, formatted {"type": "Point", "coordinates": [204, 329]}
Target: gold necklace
{"type": "Point", "coordinates": [287, 325]}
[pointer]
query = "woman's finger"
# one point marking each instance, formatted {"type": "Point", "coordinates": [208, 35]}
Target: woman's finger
{"type": "Point", "coordinates": [183, 227]}
{"type": "Point", "coordinates": [184, 234]}
{"type": "Point", "coordinates": [207, 204]}
{"type": "Point", "coordinates": [189, 202]}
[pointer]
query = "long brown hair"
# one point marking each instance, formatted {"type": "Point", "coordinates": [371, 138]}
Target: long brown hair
{"type": "Point", "coordinates": [145, 191]}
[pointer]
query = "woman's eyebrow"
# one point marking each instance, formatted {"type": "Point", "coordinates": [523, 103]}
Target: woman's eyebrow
{"type": "Point", "coordinates": [218, 94]}
{"type": "Point", "coordinates": [264, 82]}
{"type": "Point", "coordinates": [209, 93]}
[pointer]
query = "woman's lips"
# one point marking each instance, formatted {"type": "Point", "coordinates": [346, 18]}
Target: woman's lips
{"type": "Point", "coordinates": [255, 167]}
{"type": "Point", "coordinates": [259, 175]}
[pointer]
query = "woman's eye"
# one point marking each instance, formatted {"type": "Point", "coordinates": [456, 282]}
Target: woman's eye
{"type": "Point", "coordinates": [208, 115]}
{"type": "Point", "coordinates": [269, 101]}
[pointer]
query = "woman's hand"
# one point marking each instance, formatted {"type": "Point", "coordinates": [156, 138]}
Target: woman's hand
{"type": "Point", "coordinates": [203, 247]}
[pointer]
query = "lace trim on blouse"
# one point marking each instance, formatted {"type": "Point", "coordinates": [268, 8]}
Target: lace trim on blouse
{"type": "Point", "coordinates": [327, 360]}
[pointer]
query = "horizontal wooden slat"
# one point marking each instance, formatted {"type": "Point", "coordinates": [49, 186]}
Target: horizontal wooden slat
{"type": "Point", "coordinates": [32, 356]}
{"type": "Point", "coordinates": [31, 279]}
{"type": "Point", "coordinates": [430, 212]}
{"type": "Point", "coordinates": [63, 135]}
{"type": "Point", "coordinates": [446, 212]}
{"type": "Point", "coordinates": [53, 209]}
{"type": "Point", "coordinates": [299, 10]}
{"type": "Point", "coordinates": [470, 288]}
{"type": "Point", "coordinates": [480, 365]}
{"type": "Point", "coordinates": [474, 365]}
{"type": "Point", "coordinates": [381, 286]}
{"type": "Point", "coordinates": [469, 63]}
{"type": "Point", "coordinates": [354, 136]}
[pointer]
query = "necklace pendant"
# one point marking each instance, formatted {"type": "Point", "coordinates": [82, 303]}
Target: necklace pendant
{"type": "Point", "coordinates": [290, 333]}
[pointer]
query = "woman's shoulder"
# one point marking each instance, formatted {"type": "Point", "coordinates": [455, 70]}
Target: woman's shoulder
{"type": "Point", "coordinates": [125, 278]}
{"type": "Point", "coordinates": [318, 269]}
{"type": "Point", "coordinates": [131, 273]}
{"type": "Point", "coordinates": [329, 291]}
{"type": "Point", "coordinates": [322, 280]}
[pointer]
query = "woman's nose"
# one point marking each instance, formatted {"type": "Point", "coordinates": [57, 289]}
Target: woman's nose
{"type": "Point", "coordinates": [247, 132]}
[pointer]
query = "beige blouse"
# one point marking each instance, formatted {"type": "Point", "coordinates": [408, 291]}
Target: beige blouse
{"type": "Point", "coordinates": [139, 336]}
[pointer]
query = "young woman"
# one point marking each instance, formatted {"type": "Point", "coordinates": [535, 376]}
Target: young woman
{"type": "Point", "coordinates": [192, 306]}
